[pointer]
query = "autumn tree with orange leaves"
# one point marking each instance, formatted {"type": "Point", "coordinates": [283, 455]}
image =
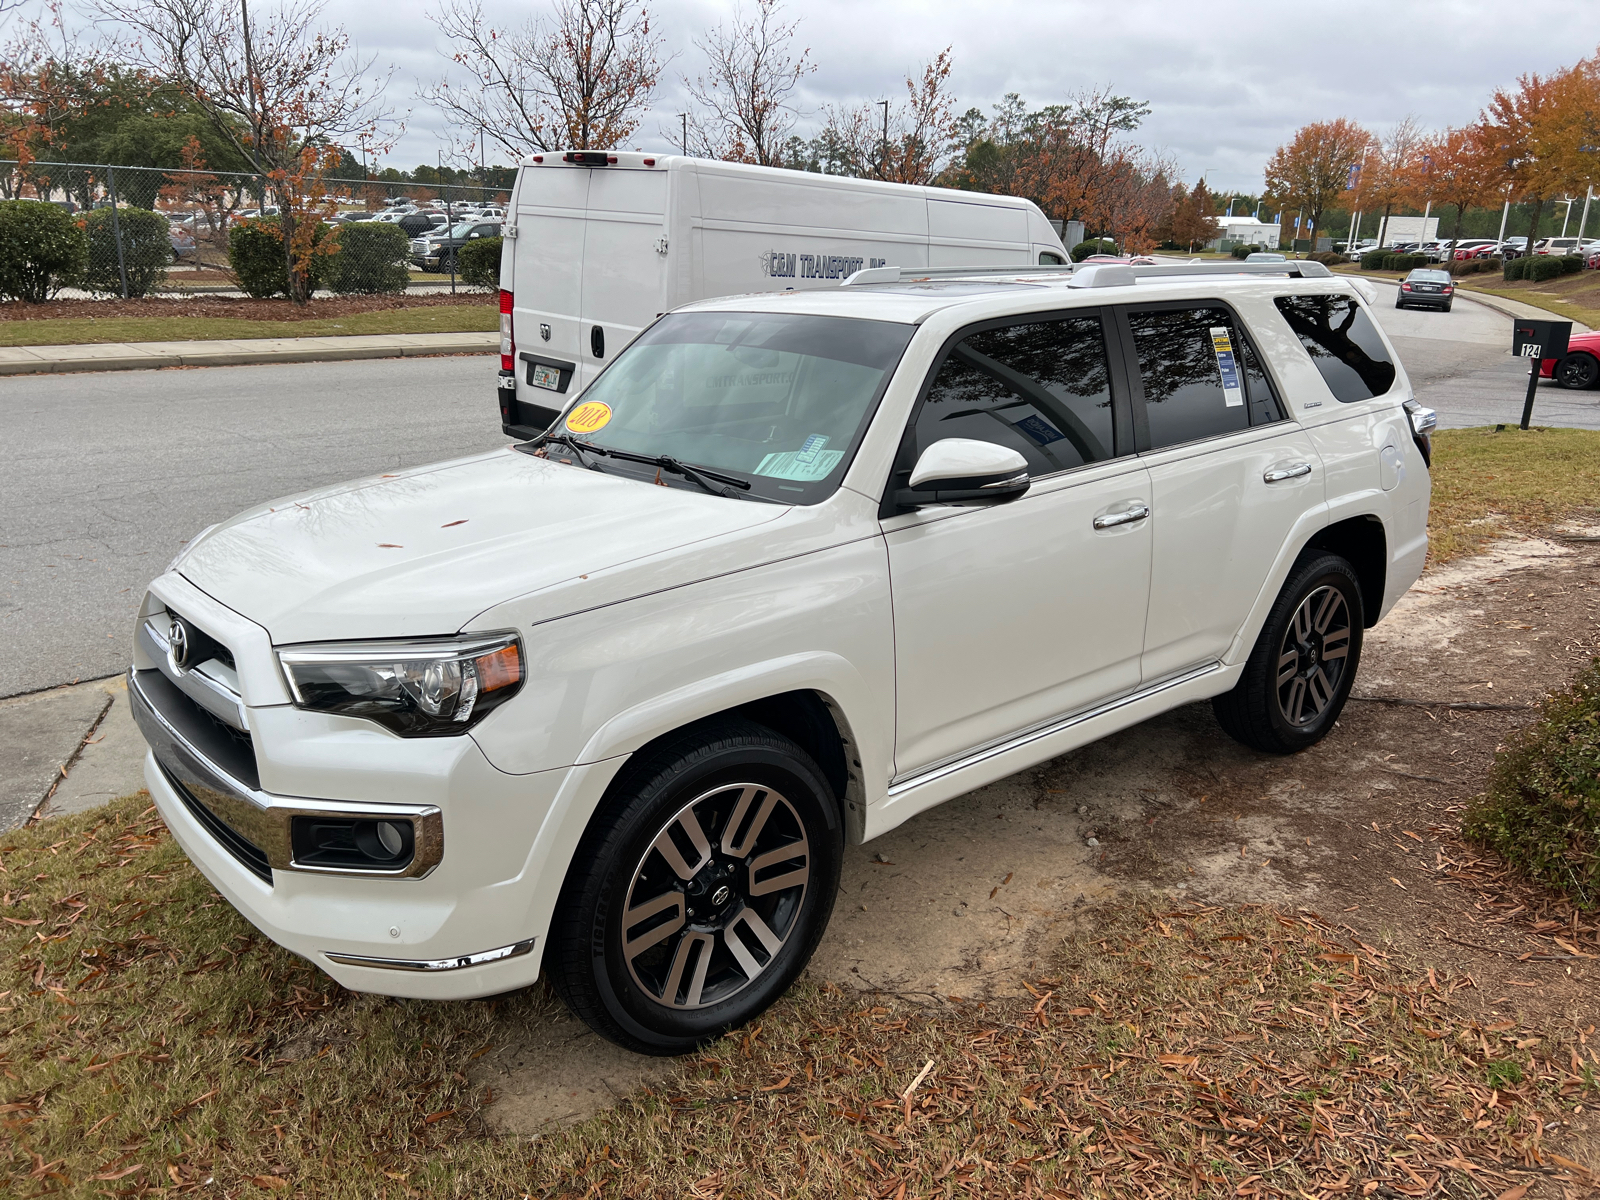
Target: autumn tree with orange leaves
{"type": "Point", "coordinates": [280, 89]}
{"type": "Point", "coordinates": [1543, 133]}
{"type": "Point", "coordinates": [1463, 171]}
{"type": "Point", "coordinates": [1314, 168]}
{"type": "Point", "coordinates": [908, 144]}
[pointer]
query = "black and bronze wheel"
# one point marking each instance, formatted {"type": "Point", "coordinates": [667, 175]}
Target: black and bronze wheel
{"type": "Point", "coordinates": [1299, 673]}
{"type": "Point", "coordinates": [700, 892]}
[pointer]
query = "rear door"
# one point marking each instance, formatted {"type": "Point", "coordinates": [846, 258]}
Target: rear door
{"type": "Point", "coordinates": [1230, 476]}
{"type": "Point", "coordinates": [624, 262]}
{"type": "Point", "coordinates": [547, 277]}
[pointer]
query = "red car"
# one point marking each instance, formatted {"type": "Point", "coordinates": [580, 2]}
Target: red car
{"type": "Point", "coordinates": [1580, 368]}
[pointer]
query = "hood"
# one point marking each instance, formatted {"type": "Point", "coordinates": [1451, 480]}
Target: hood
{"type": "Point", "coordinates": [421, 552]}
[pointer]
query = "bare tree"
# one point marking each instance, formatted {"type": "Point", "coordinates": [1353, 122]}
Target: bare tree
{"type": "Point", "coordinates": [908, 142]}
{"type": "Point", "coordinates": [746, 92]}
{"type": "Point", "coordinates": [582, 82]}
{"type": "Point", "coordinates": [279, 88]}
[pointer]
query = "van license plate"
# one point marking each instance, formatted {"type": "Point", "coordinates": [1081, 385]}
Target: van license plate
{"type": "Point", "coordinates": [546, 377]}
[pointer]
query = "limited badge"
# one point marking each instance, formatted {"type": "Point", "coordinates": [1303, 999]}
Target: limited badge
{"type": "Point", "coordinates": [588, 417]}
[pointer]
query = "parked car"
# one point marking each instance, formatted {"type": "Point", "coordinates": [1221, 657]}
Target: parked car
{"type": "Point", "coordinates": [1580, 366]}
{"type": "Point", "coordinates": [1469, 248]}
{"type": "Point", "coordinates": [1355, 252]}
{"type": "Point", "coordinates": [1556, 245]}
{"type": "Point", "coordinates": [1426, 288]}
{"type": "Point", "coordinates": [183, 246]}
{"type": "Point", "coordinates": [438, 251]}
{"type": "Point", "coordinates": [1265, 256]}
{"type": "Point", "coordinates": [1592, 262]}
{"type": "Point", "coordinates": [608, 704]}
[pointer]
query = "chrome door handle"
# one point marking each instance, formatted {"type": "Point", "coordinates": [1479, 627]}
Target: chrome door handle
{"type": "Point", "coordinates": [1111, 520]}
{"type": "Point", "coordinates": [1288, 471]}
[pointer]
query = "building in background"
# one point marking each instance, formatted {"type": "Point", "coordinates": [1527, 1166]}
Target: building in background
{"type": "Point", "coordinates": [1235, 231]}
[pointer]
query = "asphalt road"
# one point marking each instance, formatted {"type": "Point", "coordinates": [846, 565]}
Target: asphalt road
{"type": "Point", "coordinates": [104, 475]}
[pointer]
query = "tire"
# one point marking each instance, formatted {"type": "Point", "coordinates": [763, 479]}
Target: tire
{"type": "Point", "coordinates": [1446, 308]}
{"type": "Point", "coordinates": [1397, 304]}
{"type": "Point", "coordinates": [691, 840]}
{"type": "Point", "coordinates": [1577, 371]}
{"type": "Point", "coordinates": [1283, 713]}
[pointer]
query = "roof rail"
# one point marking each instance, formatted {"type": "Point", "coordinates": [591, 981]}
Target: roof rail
{"type": "Point", "coordinates": [1093, 274]}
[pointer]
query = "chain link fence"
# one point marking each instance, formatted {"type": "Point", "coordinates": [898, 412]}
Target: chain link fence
{"type": "Point", "coordinates": [152, 231]}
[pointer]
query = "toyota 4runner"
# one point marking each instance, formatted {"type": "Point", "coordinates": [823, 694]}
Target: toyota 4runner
{"type": "Point", "coordinates": [792, 569]}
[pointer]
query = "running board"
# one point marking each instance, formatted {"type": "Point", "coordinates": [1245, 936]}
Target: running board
{"type": "Point", "coordinates": [1017, 741]}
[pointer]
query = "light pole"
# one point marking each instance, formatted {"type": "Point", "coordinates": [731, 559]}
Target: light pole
{"type": "Point", "coordinates": [685, 119]}
{"type": "Point", "coordinates": [1566, 216]}
{"type": "Point", "coordinates": [885, 170]}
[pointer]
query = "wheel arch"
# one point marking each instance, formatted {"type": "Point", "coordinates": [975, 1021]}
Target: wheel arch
{"type": "Point", "coordinates": [1362, 542]}
{"type": "Point", "coordinates": [811, 719]}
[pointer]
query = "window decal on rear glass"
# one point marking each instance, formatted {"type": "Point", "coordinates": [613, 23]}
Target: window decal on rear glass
{"type": "Point", "coordinates": [1232, 393]}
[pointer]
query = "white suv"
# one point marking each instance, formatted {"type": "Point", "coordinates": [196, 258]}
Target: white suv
{"type": "Point", "coordinates": [794, 568]}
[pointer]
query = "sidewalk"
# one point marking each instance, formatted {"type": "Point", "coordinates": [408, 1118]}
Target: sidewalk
{"type": "Point", "coordinates": [124, 356]}
{"type": "Point", "coordinates": [67, 749]}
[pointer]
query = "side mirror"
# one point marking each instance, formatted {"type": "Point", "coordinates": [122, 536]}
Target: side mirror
{"type": "Point", "coordinates": [963, 470]}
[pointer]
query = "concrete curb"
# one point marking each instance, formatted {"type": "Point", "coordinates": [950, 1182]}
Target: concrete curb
{"type": "Point", "coordinates": [128, 356]}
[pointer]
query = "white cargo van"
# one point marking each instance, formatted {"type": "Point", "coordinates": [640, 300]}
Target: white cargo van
{"type": "Point", "coordinates": [599, 244]}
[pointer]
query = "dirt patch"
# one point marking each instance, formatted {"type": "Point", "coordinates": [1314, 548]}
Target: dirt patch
{"type": "Point", "coordinates": [964, 899]}
{"type": "Point", "coordinates": [233, 307]}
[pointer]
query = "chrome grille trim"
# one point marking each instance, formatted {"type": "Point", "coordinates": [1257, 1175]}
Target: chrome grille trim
{"type": "Point", "coordinates": [212, 684]}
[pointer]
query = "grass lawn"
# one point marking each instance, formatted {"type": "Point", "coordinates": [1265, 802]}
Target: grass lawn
{"type": "Point", "coordinates": [1488, 483]}
{"type": "Point", "coordinates": [73, 331]}
{"type": "Point", "coordinates": [155, 1041]}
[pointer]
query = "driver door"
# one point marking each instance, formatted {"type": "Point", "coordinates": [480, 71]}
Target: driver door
{"type": "Point", "coordinates": [1011, 615]}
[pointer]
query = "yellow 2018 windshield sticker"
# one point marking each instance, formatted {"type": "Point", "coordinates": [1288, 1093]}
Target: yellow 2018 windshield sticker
{"type": "Point", "coordinates": [588, 417]}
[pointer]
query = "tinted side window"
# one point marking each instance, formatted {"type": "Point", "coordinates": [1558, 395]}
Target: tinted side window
{"type": "Point", "coordinates": [1194, 386]}
{"type": "Point", "coordinates": [1342, 342]}
{"type": "Point", "coordinates": [1041, 389]}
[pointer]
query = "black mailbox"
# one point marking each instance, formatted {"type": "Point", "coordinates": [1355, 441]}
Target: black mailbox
{"type": "Point", "coordinates": [1539, 339]}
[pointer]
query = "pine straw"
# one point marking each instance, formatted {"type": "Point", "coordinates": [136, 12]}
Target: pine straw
{"type": "Point", "coordinates": [155, 1042]}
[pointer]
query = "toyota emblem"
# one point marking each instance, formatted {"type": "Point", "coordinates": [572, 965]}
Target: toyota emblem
{"type": "Point", "coordinates": [721, 895]}
{"type": "Point", "coordinates": [178, 646]}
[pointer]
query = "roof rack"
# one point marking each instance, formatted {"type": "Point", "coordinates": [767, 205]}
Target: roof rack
{"type": "Point", "coordinates": [1093, 274]}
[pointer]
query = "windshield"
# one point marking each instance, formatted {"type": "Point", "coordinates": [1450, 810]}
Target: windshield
{"type": "Point", "coordinates": [779, 399]}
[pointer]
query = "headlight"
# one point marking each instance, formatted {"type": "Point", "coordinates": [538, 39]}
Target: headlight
{"type": "Point", "coordinates": [433, 688]}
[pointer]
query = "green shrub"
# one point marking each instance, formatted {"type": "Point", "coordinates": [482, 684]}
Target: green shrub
{"type": "Point", "coordinates": [1326, 257]}
{"type": "Point", "coordinates": [255, 252]}
{"type": "Point", "coordinates": [1405, 262]}
{"type": "Point", "coordinates": [1491, 264]}
{"type": "Point", "coordinates": [42, 249]}
{"type": "Point", "coordinates": [370, 260]}
{"type": "Point", "coordinates": [479, 263]}
{"type": "Point", "coordinates": [1541, 812]}
{"type": "Point", "coordinates": [1571, 264]}
{"type": "Point", "coordinates": [1542, 267]}
{"type": "Point", "coordinates": [1515, 269]}
{"type": "Point", "coordinates": [1372, 260]}
{"type": "Point", "coordinates": [1465, 266]}
{"type": "Point", "coordinates": [146, 250]}
{"type": "Point", "coordinates": [1093, 246]}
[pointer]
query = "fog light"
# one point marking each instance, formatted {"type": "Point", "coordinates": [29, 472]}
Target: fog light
{"type": "Point", "coordinates": [347, 844]}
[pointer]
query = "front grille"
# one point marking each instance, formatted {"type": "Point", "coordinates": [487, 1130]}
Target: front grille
{"type": "Point", "coordinates": [249, 855]}
{"type": "Point", "coordinates": [230, 749]}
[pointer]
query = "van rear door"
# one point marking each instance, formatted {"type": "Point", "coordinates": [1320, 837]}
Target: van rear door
{"type": "Point", "coordinates": [624, 262]}
{"type": "Point", "coordinates": [547, 290]}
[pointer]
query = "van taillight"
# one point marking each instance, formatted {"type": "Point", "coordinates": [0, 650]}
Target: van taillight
{"type": "Point", "coordinates": [508, 337]}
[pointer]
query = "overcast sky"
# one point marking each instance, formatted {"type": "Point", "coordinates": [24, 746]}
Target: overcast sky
{"type": "Point", "coordinates": [1227, 80]}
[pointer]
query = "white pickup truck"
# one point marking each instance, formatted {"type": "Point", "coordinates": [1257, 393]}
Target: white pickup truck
{"type": "Point", "coordinates": [792, 569]}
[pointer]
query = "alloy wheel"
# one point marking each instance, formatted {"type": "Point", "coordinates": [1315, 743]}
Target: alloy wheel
{"type": "Point", "coordinates": [1313, 656]}
{"type": "Point", "coordinates": [716, 896]}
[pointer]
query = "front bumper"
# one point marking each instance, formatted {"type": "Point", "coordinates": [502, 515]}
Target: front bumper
{"type": "Point", "coordinates": [450, 926]}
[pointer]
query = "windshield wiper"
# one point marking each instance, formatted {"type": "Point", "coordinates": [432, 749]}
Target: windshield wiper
{"type": "Point", "coordinates": [663, 462]}
{"type": "Point", "coordinates": [666, 462]}
{"type": "Point", "coordinates": [576, 445]}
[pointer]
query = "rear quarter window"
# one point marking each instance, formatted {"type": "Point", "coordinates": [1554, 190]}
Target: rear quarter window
{"type": "Point", "coordinates": [1343, 344]}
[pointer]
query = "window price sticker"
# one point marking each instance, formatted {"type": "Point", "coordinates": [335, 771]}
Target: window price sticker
{"type": "Point", "coordinates": [1232, 393]}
